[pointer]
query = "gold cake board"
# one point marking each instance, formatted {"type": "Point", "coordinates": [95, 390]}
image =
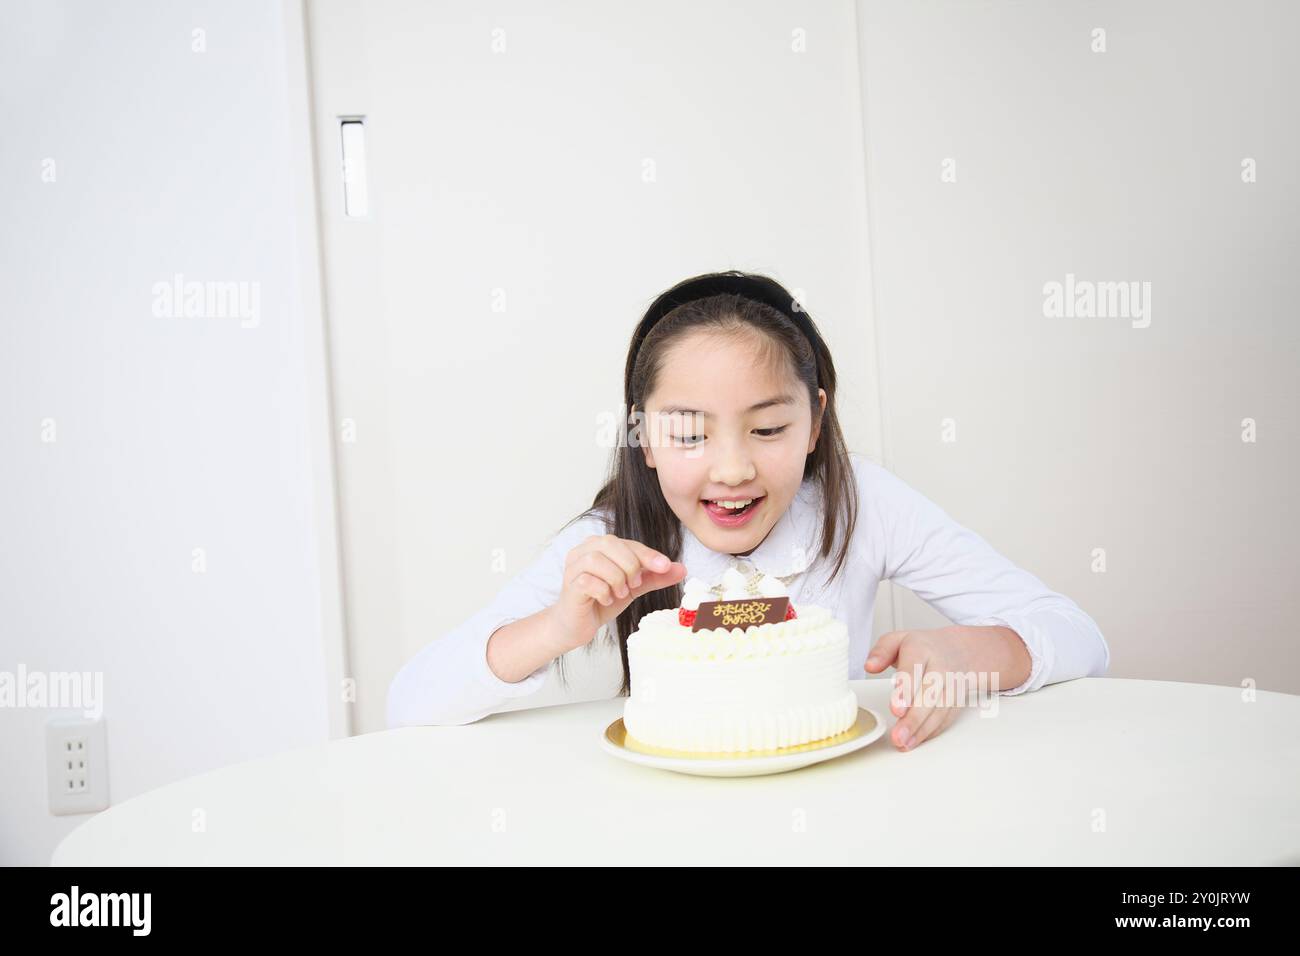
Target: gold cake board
{"type": "Point", "coordinates": [617, 735]}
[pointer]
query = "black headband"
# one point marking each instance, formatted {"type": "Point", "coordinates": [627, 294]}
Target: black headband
{"type": "Point", "coordinates": [759, 288]}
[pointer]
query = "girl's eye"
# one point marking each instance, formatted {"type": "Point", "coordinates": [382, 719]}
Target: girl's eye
{"type": "Point", "coordinates": [687, 439]}
{"type": "Point", "coordinates": [769, 432]}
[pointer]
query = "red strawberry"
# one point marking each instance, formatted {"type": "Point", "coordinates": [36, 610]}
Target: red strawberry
{"type": "Point", "coordinates": [789, 612]}
{"type": "Point", "coordinates": [685, 617]}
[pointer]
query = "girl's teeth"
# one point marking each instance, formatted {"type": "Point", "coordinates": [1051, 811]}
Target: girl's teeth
{"type": "Point", "coordinates": [735, 504]}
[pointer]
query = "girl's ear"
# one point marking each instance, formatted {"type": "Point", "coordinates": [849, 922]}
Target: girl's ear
{"type": "Point", "coordinates": [817, 425]}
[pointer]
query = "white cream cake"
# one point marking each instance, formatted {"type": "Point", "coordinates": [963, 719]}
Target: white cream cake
{"type": "Point", "coordinates": [731, 690]}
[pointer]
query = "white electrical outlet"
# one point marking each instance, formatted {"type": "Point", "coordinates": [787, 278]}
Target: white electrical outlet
{"type": "Point", "coordinates": [76, 758]}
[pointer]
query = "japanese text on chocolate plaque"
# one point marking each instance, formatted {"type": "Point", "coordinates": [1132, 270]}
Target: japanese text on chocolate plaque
{"type": "Point", "coordinates": [743, 613]}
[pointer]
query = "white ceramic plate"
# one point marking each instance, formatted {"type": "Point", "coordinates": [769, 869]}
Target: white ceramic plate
{"type": "Point", "coordinates": [867, 728]}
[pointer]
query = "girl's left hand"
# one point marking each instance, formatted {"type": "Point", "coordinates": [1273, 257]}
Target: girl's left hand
{"type": "Point", "coordinates": [940, 652]}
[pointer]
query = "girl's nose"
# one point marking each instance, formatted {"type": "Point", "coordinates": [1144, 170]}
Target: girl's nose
{"type": "Point", "coordinates": [732, 464]}
{"type": "Point", "coordinates": [732, 470]}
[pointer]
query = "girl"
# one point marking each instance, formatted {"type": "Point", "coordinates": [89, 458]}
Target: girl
{"type": "Point", "coordinates": [733, 458]}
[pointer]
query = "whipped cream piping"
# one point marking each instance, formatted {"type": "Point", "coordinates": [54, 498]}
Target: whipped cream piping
{"type": "Point", "coordinates": [660, 635]}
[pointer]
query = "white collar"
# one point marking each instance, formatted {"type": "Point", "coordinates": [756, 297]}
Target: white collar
{"type": "Point", "coordinates": [785, 553]}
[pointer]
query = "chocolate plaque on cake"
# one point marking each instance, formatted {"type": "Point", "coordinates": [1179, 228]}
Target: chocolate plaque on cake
{"type": "Point", "coordinates": [746, 612]}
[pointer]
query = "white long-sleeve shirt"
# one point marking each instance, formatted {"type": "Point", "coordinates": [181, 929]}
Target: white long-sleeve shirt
{"type": "Point", "coordinates": [900, 535]}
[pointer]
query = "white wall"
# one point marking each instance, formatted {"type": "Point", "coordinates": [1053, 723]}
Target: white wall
{"type": "Point", "coordinates": [172, 433]}
{"type": "Point", "coordinates": [1075, 434]}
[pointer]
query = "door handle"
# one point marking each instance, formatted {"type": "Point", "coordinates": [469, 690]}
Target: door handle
{"type": "Point", "coordinates": [356, 199]}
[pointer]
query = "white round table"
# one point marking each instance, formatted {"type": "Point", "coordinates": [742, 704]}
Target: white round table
{"type": "Point", "coordinates": [1092, 771]}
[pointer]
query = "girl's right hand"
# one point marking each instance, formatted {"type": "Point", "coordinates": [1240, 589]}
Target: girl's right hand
{"type": "Point", "coordinates": [602, 576]}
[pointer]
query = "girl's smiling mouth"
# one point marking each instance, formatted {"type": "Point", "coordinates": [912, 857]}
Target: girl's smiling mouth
{"type": "Point", "coordinates": [725, 517]}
